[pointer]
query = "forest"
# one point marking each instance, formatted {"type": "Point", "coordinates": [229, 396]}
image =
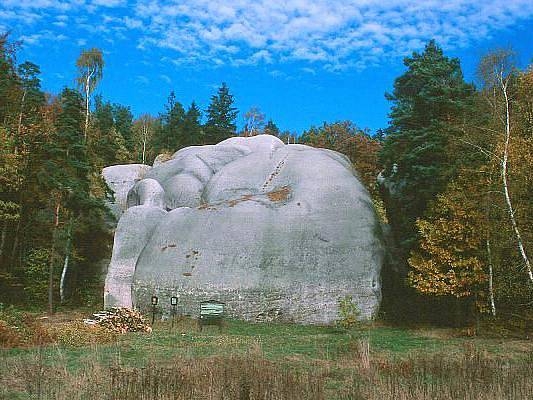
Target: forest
{"type": "Point", "coordinates": [450, 176]}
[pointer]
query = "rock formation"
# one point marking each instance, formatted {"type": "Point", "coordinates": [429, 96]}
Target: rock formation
{"type": "Point", "coordinates": [275, 231]}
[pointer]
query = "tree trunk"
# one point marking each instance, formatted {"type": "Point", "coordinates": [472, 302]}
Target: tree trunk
{"type": "Point", "coordinates": [491, 275]}
{"type": "Point", "coordinates": [145, 134]}
{"type": "Point", "coordinates": [19, 128]}
{"type": "Point", "coordinates": [505, 159]}
{"type": "Point", "coordinates": [51, 263]}
{"type": "Point", "coordinates": [3, 239]}
{"type": "Point", "coordinates": [15, 241]}
{"type": "Point", "coordinates": [87, 87]}
{"type": "Point", "coordinates": [458, 313]}
{"type": "Point", "coordinates": [68, 247]}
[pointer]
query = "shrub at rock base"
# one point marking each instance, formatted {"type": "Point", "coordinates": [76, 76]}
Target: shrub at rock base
{"type": "Point", "coordinates": [78, 334]}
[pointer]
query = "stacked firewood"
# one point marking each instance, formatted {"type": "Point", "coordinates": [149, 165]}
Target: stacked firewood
{"type": "Point", "coordinates": [120, 320]}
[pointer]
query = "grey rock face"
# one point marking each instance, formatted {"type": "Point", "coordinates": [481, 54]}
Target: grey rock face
{"type": "Point", "coordinates": [278, 232]}
{"type": "Point", "coordinates": [133, 232]}
{"type": "Point", "coordinates": [120, 179]}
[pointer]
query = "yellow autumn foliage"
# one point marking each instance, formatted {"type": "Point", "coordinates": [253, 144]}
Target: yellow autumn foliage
{"type": "Point", "coordinates": [452, 237]}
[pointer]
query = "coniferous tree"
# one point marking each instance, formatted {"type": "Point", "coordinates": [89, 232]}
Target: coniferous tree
{"type": "Point", "coordinates": [102, 115]}
{"type": "Point", "coordinates": [192, 127]}
{"type": "Point", "coordinates": [430, 102]}
{"type": "Point", "coordinates": [221, 116]}
{"type": "Point", "coordinates": [123, 122]}
{"type": "Point", "coordinates": [271, 128]}
{"type": "Point", "coordinates": [66, 177]}
{"type": "Point", "coordinates": [9, 83]}
{"type": "Point", "coordinates": [106, 144]}
{"type": "Point", "coordinates": [32, 98]}
{"type": "Point", "coordinates": [169, 135]}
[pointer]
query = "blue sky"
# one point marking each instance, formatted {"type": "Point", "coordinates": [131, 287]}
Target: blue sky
{"type": "Point", "coordinates": [301, 62]}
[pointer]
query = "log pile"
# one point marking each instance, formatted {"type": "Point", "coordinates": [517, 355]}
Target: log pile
{"type": "Point", "coordinates": [120, 320]}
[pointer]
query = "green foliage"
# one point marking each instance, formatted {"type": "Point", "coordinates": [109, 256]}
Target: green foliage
{"type": "Point", "coordinates": [348, 313]}
{"type": "Point", "coordinates": [355, 143]}
{"type": "Point", "coordinates": [111, 134]}
{"type": "Point", "coordinates": [192, 128]}
{"type": "Point", "coordinates": [271, 128]}
{"type": "Point", "coordinates": [9, 82]}
{"type": "Point", "coordinates": [90, 65]}
{"type": "Point", "coordinates": [451, 258]}
{"type": "Point", "coordinates": [66, 168]}
{"type": "Point", "coordinates": [102, 115]}
{"type": "Point", "coordinates": [169, 135]}
{"type": "Point", "coordinates": [79, 334]}
{"type": "Point", "coordinates": [430, 101]}
{"type": "Point", "coordinates": [123, 123]}
{"type": "Point", "coordinates": [221, 116]}
{"type": "Point", "coordinates": [36, 276]}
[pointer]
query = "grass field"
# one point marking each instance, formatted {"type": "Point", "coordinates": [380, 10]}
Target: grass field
{"type": "Point", "coordinates": [273, 361]}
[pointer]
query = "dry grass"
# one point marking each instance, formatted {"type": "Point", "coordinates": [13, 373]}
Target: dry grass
{"type": "Point", "coordinates": [472, 375]}
{"type": "Point", "coordinates": [27, 332]}
{"type": "Point", "coordinates": [79, 334]}
{"type": "Point", "coordinates": [269, 361]}
{"type": "Point", "coordinates": [246, 377]}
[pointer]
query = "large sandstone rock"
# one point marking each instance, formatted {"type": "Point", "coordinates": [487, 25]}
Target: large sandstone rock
{"type": "Point", "coordinates": [276, 231]}
{"type": "Point", "coordinates": [120, 179]}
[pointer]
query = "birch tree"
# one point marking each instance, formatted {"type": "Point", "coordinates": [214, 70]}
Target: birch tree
{"type": "Point", "coordinates": [90, 65]}
{"type": "Point", "coordinates": [143, 132]}
{"type": "Point", "coordinates": [497, 72]}
{"type": "Point", "coordinates": [254, 121]}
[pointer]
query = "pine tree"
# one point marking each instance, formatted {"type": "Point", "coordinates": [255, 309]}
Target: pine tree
{"type": "Point", "coordinates": [102, 115]}
{"type": "Point", "coordinates": [169, 135]}
{"type": "Point", "coordinates": [123, 122]}
{"type": "Point", "coordinates": [430, 101]}
{"type": "Point", "coordinates": [9, 83]}
{"type": "Point", "coordinates": [271, 129]}
{"type": "Point", "coordinates": [66, 178]}
{"type": "Point", "coordinates": [32, 98]}
{"type": "Point", "coordinates": [221, 116]}
{"type": "Point", "coordinates": [192, 127]}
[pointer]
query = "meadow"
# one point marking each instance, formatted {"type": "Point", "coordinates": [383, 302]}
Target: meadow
{"type": "Point", "coordinates": [265, 361]}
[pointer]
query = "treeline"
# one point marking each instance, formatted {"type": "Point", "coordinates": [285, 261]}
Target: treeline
{"type": "Point", "coordinates": [453, 183]}
{"type": "Point", "coordinates": [53, 232]}
{"type": "Point", "coordinates": [457, 186]}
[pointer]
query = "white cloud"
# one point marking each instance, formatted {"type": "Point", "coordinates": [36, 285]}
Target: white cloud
{"type": "Point", "coordinates": [333, 34]}
{"type": "Point", "coordinates": [338, 33]}
{"type": "Point", "coordinates": [42, 38]}
{"type": "Point", "coordinates": [165, 78]}
{"type": "Point", "coordinates": [108, 3]}
{"type": "Point", "coordinates": [132, 23]}
{"type": "Point", "coordinates": [308, 70]}
{"type": "Point", "coordinates": [141, 79]}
